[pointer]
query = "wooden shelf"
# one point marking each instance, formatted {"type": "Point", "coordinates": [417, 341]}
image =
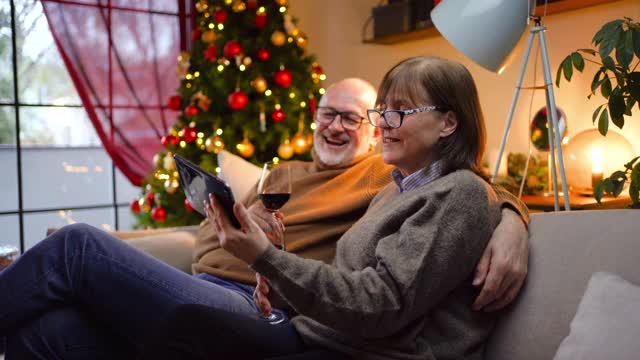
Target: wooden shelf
{"type": "Point", "coordinates": [545, 203]}
{"type": "Point", "coordinates": [428, 30]}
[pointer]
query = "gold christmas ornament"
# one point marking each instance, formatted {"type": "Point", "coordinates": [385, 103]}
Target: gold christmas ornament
{"type": "Point", "coordinates": [300, 145]}
{"type": "Point", "coordinates": [156, 159]}
{"type": "Point", "coordinates": [144, 204]}
{"type": "Point", "coordinates": [260, 84]}
{"type": "Point", "coordinates": [202, 6]}
{"type": "Point", "coordinates": [278, 38]}
{"type": "Point", "coordinates": [245, 148]}
{"type": "Point", "coordinates": [246, 61]}
{"type": "Point", "coordinates": [214, 144]}
{"type": "Point", "coordinates": [285, 150]}
{"type": "Point", "coordinates": [281, 2]}
{"type": "Point", "coordinates": [183, 58]}
{"type": "Point", "coordinates": [238, 6]}
{"type": "Point", "coordinates": [208, 36]}
{"type": "Point", "coordinates": [171, 186]}
{"type": "Point", "coordinates": [168, 162]}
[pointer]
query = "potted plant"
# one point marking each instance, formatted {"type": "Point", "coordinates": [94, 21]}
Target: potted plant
{"type": "Point", "coordinates": [618, 80]}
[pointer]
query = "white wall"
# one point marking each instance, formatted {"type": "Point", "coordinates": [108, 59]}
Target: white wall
{"type": "Point", "coordinates": [334, 28]}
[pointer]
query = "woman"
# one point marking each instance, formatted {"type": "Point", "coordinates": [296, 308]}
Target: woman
{"type": "Point", "coordinates": [399, 286]}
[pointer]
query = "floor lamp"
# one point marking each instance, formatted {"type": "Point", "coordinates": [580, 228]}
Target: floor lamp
{"type": "Point", "coordinates": [487, 32]}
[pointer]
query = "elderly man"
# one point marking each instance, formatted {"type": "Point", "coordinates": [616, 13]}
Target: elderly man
{"type": "Point", "coordinates": [334, 191]}
{"type": "Point", "coordinates": [82, 293]}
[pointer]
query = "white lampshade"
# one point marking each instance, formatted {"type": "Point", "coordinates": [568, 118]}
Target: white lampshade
{"type": "Point", "coordinates": [486, 31]}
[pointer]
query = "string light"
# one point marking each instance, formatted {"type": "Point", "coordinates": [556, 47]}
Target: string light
{"type": "Point", "coordinates": [220, 26]}
{"type": "Point", "coordinates": [188, 77]}
{"type": "Point", "coordinates": [292, 95]}
{"type": "Point", "coordinates": [323, 77]}
{"type": "Point", "coordinates": [261, 10]}
{"type": "Point", "coordinates": [313, 126]}
{"type": "Point", "coordinates": [267, 93]}
{"type": "Point", "coordinates": [196, 74]}
{"type": "Point", "coordinates": [275, 160]}
{"type": "Point", "coordinates": [283, 9]}
{"type": "Point", "coordinates": [183, 143]}
{"type": "Point", "coordinates": [218, 170]}
{"type": "Point", "coordinates": [188, 86]}
{"type": "Point", "coordinates": [242, 67]}
{"type": "Point", "coordinates": [212, 25]}
{"type": "Point", "coordinates": [290, 39]}
{"type": "Point", "coordinates": [220, 68]}
{"type": "Point", "coordinates": [199, 141]}
{"type": "Point", "coordinates": [321, 91]}
{"type": "Point", "coordinates": [303, 104]}
{"type": "Point", "coordinates": [201, 135]}
{"type": "Point", "coordinates": [219, 132]}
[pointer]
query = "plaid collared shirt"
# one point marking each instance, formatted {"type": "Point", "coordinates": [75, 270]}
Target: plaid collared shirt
{"type": "Point", "coordinates": [418, 178]}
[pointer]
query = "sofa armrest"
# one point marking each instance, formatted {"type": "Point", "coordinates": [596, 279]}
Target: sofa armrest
{"type": "Point", "coordinates": [173, 246]}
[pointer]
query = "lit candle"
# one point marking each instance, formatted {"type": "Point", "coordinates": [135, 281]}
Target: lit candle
{"type": "Point", "coordinates": [596, 166]}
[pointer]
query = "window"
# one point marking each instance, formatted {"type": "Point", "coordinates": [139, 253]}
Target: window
{"type": "Point", "coordinates": [55, 170]}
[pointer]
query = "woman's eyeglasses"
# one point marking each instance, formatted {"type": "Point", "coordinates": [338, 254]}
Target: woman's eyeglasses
{"type": "Point", "coordinates": [393, 118]}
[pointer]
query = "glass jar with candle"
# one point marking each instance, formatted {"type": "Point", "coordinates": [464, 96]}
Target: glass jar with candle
{"type": "Point", "coordinates": [589, 157]}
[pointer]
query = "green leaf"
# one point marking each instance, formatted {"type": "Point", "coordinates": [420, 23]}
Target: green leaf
{"type": "Point", "coordinates": [624, 49]}
{"type": "Point", "coordinates": [634, 189]}
{"type": "Point", "coordinates": [606, 31]}
{"type": "Point", "coordinates": [634, 90]}
{"type": "Point", "coordinates": [636, 41]}
{"type": "Point", "coordinates": [617, 182]}
{"type": "Point", "coordinates": [619, 78]}
{"type": "Point", "coordinates": [617, 107]}
{"type": "Point", "coordinates": [598, 191]}
{"type": "Point", "coordinates": [630, 102]}
{"type": "Point", "coordinates": [603, 123]}
{"type": "Point", "coordinates": [578, 60]}
{"type": "Point", "coordinates": [559, 73]}
{"type": "Point", "coordinates": [588, 51]}
{"type": "Point", "coordinates": [629, 165]}
{"type": "Point", "coordinates": [609, 43]}
{"type": "Point", "coordinates": [605, 89]}
{"type": "Point", "coordinates": [608, 62]}
{"type": "Point", "coordinates": [596, 81]}
{"type": "Point", "coordinates": [567, 67]}
{"type": "Point", "coordinates": [596, 113]}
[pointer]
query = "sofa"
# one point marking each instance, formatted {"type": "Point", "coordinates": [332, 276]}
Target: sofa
{"type": "Point", "coordinates": [567, 248]}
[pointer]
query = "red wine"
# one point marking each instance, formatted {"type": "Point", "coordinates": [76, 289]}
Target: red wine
{"type": "Point", "coordinates": [274, 201]}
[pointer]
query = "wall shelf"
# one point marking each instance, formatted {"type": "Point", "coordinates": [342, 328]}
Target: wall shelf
{"type": "Point", "coordinates": [428, 30]}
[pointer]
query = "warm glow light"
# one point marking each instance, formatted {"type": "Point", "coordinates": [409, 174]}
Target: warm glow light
{"type": "Point", "coordinates": [242, 67]}
{"type": "Point", "coordinates": [283, 9]}
{"type": "Point", "coordinates": [321, 91]}
{"type": "Point", "coordinates": [261, 10]}
{"type": "Point", "coordinates": [219, 132]}
{"type": "Point", "coordinates": [196, 74]}
{"type": "Point", "coordinates": [199, 141]}
{"type": "Point", "coordinates": [565, 140]}
{"type": "Point", "coordinates": [220, 68]}
{"type": "Point", "coordinates": [290, 39]}
{"type": "Point", "coordinates": [188, 86]}
{"type": "Point", "coordinates": [275, 160]}
{"type": "Point", "coordinates": [596, 160]}
{"type": "Point", "coordinates": [323, 77]}
{"type": "Point", "coordinates": [188, 77]}
{"type": "Point", "coordinates": [218, 170]}
{"type": "Point", "coordinates": [220, 26]}
{"type": "Point", "coordinates": [183, 143]}
{"type": "Point", "coordinates": [99, 168]}
{"type": "Point", "coordinates": [75, 169]}
{"type": "Point", "coordinates": [267, 93]}
{"type": "Point", "coordinates": [212, 25]}
{"type": "Point", "coordinates": [292, 95]}
{"type": "Point", "coordinates": [303, 104]}
{"type": "Point", "coordinates": [313, 126]}
{"type": "Point", "coordinates": [502, 69]}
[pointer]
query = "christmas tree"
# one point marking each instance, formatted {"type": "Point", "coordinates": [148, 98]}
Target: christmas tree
{"type": "Point", "coordinates": [247, 86]}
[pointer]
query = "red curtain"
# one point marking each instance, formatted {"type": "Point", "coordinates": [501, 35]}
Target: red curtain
{"type": "Point", "coordinates": [121, 56]}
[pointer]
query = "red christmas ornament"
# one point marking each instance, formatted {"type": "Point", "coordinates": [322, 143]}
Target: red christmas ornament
{"type": "Point", "coordinates": [278, 115]}
{"type": "Point", "coordinates": [211, 53]}
{"type": "Point", "coordinates": [252, 4]}
{"type": "Point", "coordinates": [187, 205]}
{"type": "Point", "coordinates": [318, 70]}
{"type": "Point", "coordinates": [232, 49]}
{"type": "Point", "coordinates": [135, 206]}
{"type": "Point", "coordinates": [263, 54]}
{"type": "Point", "coordinates": [158, 214]}
{"type": "Point", "coordinates": [150, 197]}
{"type": "Point", "coordinates": [165, 140]}
{"type": "Point", "coordinates": [191, 110]}
{"type": "Point", "coordinates": [189, 135]}
{"type": "Point", "coordinates": [260, 21]}
{"type": "Point", "coordinates": [169, 140]}
{"type": "Point", "coordinates": [174, 103]}
{"type": "Point", "coordinates": [220, 16]}
{"type": "Point", "coordinates": [312, 104]}
{"type": "Point", "coordinates": [195, 34]}
{"type": "Point", "coordinates": [283, 78]}
{"type": "Point", "coordinates": [237, 100]}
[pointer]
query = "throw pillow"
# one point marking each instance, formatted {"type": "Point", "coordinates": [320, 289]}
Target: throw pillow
{"type": "Point", "coordinates": [240, 174]}
{"type": "Point", "coordinates": [607, 323]}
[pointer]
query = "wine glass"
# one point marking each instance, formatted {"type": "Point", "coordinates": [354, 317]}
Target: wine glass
{"type": "Point", "coordinates": [274, 190]}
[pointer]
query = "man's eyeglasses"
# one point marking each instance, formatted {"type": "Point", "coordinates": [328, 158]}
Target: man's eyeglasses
{"type": "Point", "coordinates": [393, 118]}
{"type": "Point", "coordinates": [349, 121]}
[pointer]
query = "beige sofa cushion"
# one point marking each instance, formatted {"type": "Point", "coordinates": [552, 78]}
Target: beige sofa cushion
{"type": "Point", "coordinates": [566, 249]}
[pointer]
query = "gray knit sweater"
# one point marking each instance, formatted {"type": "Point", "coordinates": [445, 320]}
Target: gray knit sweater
{"type": "Point", "coordinates": [400, 285]}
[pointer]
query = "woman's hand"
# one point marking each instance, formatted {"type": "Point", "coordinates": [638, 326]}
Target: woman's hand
{"type": "Point", "coordinates": [260, 295]}
{"type": "Point", "coordinates": [246, 243]}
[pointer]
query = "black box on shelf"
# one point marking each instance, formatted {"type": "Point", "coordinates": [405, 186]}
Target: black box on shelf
{"type": "Point", "coordinates": [401, 16]}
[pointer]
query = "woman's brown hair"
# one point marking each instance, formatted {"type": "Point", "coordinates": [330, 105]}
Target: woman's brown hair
{"type": "Point", "coordinates": [449, 86]}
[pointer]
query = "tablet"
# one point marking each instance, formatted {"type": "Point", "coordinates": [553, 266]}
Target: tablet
{"type": "Point", "coordinates": [198, 184]}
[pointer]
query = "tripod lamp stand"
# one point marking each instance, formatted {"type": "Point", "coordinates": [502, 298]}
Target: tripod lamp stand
{"type": "Point", "coordinates": [487, 32]}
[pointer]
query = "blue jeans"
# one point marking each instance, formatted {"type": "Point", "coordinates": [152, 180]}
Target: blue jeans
{"type": "Point", "coordinates": [83, 294]}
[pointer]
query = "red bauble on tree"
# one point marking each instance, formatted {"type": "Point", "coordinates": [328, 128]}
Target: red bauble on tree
{"type": "Point", "coordinates": [169, 140]}
{"type": "Point", "coordinates": [211, 53]}
{"type": "Point", "coordinates": [237, 100]}
{"type": "Point", "coordinates": [158, 214]}
{"type": "Point", "coordinates": [260, 21]}
{"type": "Point", "coordinates": [174, 103]}
{"type": "Point", "coordinates": [135, 206]}
{"type": "Point", "coordinates": [263, 54]}
{"type": "Point", "coordinates": [150, 196]}
{"type": "Point", "coordinates": [187, 205]}
{"type": "Point", "coordinates": [189, 135]}
{"type": "Point", "coordinates": [195, 34]}
{"type": "Point", "coordinates": [191, 110]}
{"type": "Point", "coordinates": [232, 49]}
{"type": "Point", "coordinates": [312, 104]}
{"type": "Point", "coordinates": [252, 4]}
{"type": "Point", "coordinates": [220, 16]}
{"type": "Point", "coordinates": [283, 78]}
{"type": "Point", "coordinates": [278, 115]}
